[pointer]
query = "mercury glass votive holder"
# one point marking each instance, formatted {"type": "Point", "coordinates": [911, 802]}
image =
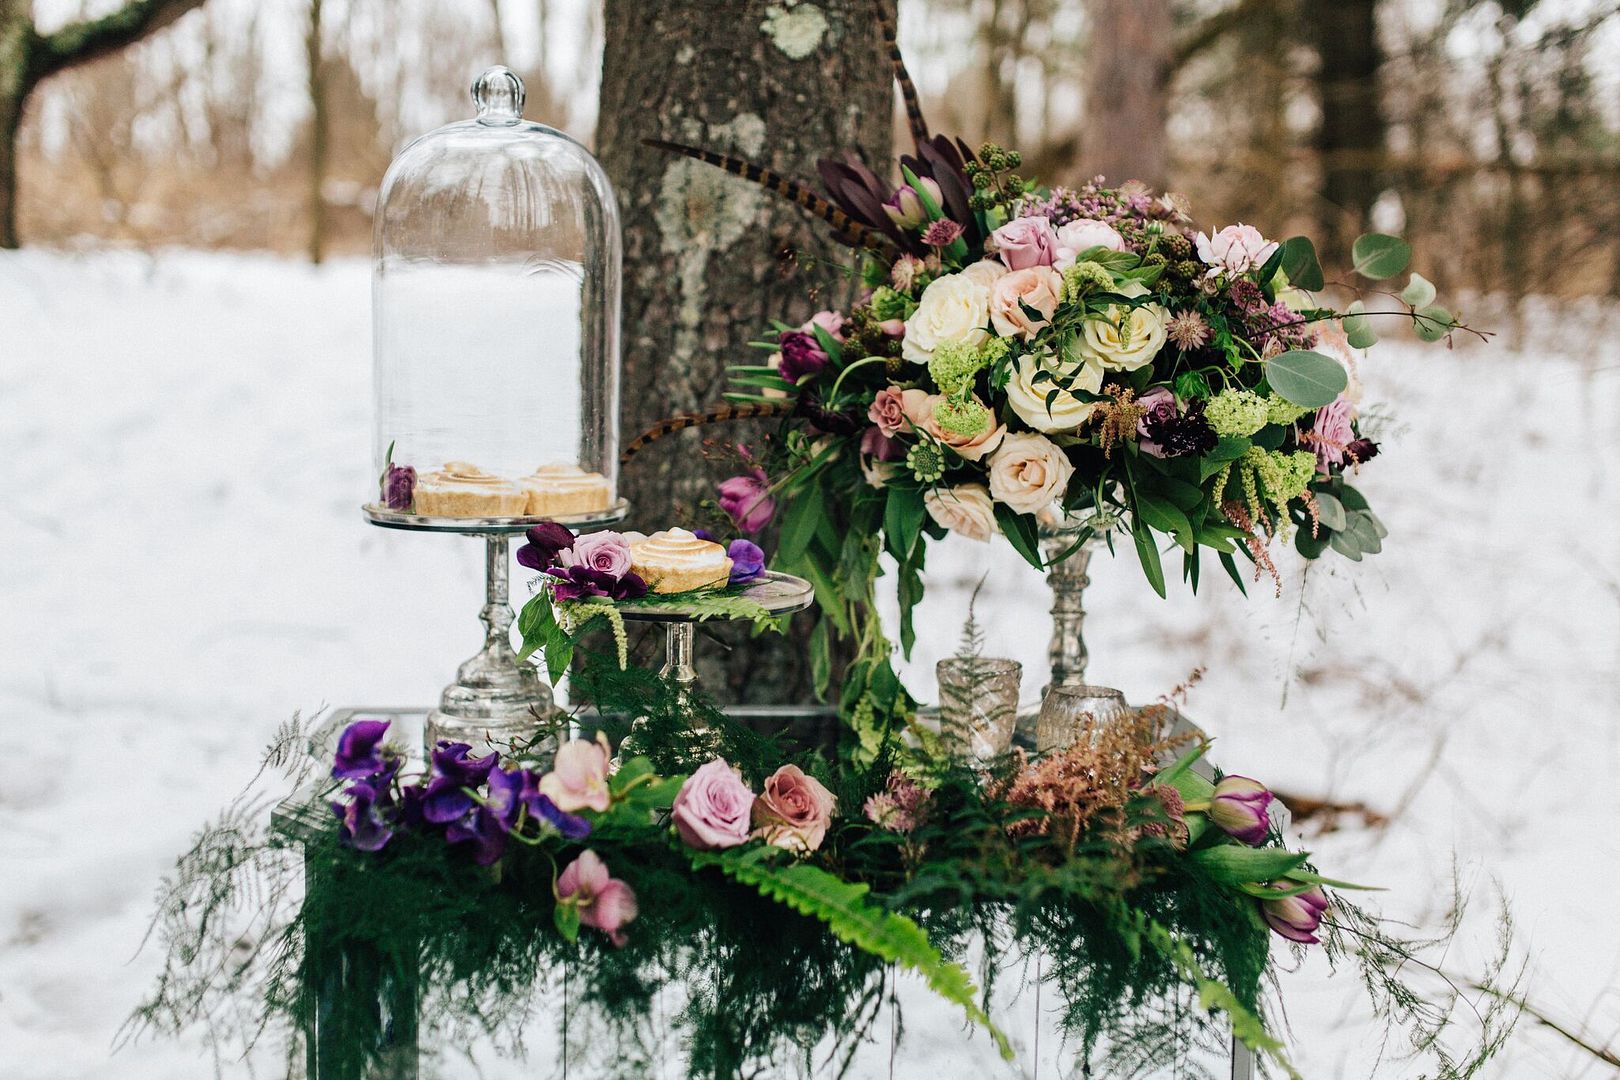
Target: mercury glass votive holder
{"type": "Point", "coordinates": [978, 704]}
{"type": "Point", "coordinates": [1066, 712]}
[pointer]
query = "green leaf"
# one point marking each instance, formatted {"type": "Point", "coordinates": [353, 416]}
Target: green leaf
{"type": "Point", "coordinates": [1166, 518]}
{"type": "Point", "coordinates": [1419, 292]}
{"type": "Point", "coordinates": [566, 918]}
{"type": "Point", "coordinates": [1299, 262]}
{"type": "Point", "coordinates": [1345, 544]}
{"type": "Point", "coordinates": [1234, 864]}
{"type": "Point", "coordinates": [1268, 272]}
{"type": "Point", "coordinates": [1358, 331]}
{"type": "Point", "coordinates": [535, 622]}
{"type": "Point", "coordinates": [829, 344]}
{"type": "Point", "coordinates": [1379, 255]}
{"type": "Point", "coordinates": [1229, 448]}
{"type": "Point", "coordinates": [1310, 878]}
{"type": "Point", "coordinates": [1229, 564]}
{"type": "Point", "coordinates": [1367, 538]}
{"type": "Point", "coordinates": [1022, 531]}
{"type": "Point", "coordinates": [1192, 384]}
{"type": "Point", "coordinates": [804, 513]}
{"type": "Point", "coordinates": [1330, 511]}
{"type": "Point", "coordinates": [1148, 554]}
{"type": "Point", "coordinates": [1352, 499]}
{"type": "Point", "coordinates": [1308, 379]}
{"type": "Point", "coordinates": [903, 515]}
{"type": "Point", "coordinates": [820, 659]}
{"type": "Point", "coordinates": [1312, 546]}
{"type": "Point", "coordinates": [1433, 323]}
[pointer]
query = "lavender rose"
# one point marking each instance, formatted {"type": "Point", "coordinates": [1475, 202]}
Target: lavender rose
{"type": "Point", "coordinates": [793, 811]}
{"type": "Point", "coordinates": [1160, 403]}
{"type": "Point", "coordinates": [605, 552]}
{"type": "Point", "coordinates": [888, 411]}
{"type": "Point", "coordinates": [713, 808]}
{"type": "Point", "coordinates": [1026, 241]}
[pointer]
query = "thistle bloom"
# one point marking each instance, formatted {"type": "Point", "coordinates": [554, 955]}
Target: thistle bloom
{"type": "Point", "coordinates": [1239, 806]}
{"type": "Point", "coordinates": [747, 501]}
{"type": "Point", "coordinates": [579, 776]}
{"type": "Point", "coordinates": [941, 233]}
{"type": "Point", "coordinates": [1295, 917]}
{"type": "Point", "coordinates": [359, 752]}
{"type": "Point", "coordinates": [605, 903]}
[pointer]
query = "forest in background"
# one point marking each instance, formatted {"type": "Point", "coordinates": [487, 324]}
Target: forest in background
{"type": "Point", "coordinates": [1487, 132]}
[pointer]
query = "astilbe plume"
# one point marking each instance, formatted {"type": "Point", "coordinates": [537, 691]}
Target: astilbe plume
{"type": "Point", "coordinates": [1119, 417]}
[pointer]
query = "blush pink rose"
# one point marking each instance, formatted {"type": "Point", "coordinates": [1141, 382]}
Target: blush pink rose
{"type": "Point", "coordinates": [1037, 287]}
{"type": "Point", "coordinates": [608, 552]}
{"type": "Point", "coordinates": [888, 411]}
{"type": "Point", "coordinates": [793, 811]}
{"type": "Point", "coordinates": [1083, 234]}
{"type": "Point", "coordinates": [713, 808]}
{"type": "Point", "coordinates": [605, 903]}
{"type": "Point", "coordinates": [1024, 242]}
{"type": "Point", "coordinates": [579, 776]}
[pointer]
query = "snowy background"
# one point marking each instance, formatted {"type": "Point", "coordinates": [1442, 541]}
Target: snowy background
{"type": "Point", "coordinates": [185, 566]}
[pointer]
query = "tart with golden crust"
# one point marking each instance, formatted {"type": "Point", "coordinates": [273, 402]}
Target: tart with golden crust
{"type": "Point", "coordinates": [677, 561]}
{"type": "Point", "coordinates": [555, 491]}
{"type": "Point", "coordinates": [461, 490]}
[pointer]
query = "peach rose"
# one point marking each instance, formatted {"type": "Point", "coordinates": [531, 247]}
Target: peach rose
{"type": "Point", "coordinates": [888, 411]}
{"type": "Point", "coordinates": [1029, 473]}
{"type": "Point", "coordinates": [920, 410]}
{"type": "Point", "coordinates": [1038, 287]}
{"type": "Point", "coordinates": [793, 811]}
{"type": "Point", "coordinates": [964, 509]}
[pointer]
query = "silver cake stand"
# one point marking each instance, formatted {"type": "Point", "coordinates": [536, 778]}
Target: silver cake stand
{"type": "Point", "coordinates": [779, 594]}
{"type": "Point", "coordinates": [496, 700]}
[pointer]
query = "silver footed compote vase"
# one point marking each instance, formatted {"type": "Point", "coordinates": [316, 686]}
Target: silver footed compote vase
{"type": "Point", "coordinates": [1067, 546]}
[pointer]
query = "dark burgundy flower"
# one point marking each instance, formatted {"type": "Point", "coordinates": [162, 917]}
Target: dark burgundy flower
{"type": "Point", "coordinates": [363, 826]}
{"type": "Point", "coordinates": [629, 587]}
{"type": "Point", "coordinates": [580, 582]}
{"type": "Point", "coordinates": [484, 831]}
{"type": "Point", "coordinates": [1361, 450]}
{"type": "Point", "coordinates": [802, 355]}
{"type": "Point", "coordinates": [446, 799]}
{"type": "Point", "coordinates": [359, 750]}
{"type": "Point", "coordinates": [545, 540]}
{"type": "Point", "coordinates": [399, 487]}
{"type": "Point", "coordinates": [747, 561]}
{"type": "Point", "coordinates": [1178, 436]}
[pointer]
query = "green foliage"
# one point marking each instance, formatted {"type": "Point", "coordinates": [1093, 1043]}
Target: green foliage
{"type": "Point", "coordinates": [1299, 262]}
{"type": "Point", "coordinates": [1308, 379]}
{"type": "Point", "coordinates": [1379, 255]}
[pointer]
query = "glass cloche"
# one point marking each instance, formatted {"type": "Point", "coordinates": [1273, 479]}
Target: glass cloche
{"type": "Point", "coordinates": [495, 299]}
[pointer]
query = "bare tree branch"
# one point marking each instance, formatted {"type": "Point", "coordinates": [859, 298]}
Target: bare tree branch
{"type": "Point", "coordinates": [89, 39]}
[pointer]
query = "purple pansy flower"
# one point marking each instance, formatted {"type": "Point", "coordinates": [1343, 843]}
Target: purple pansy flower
{"type": "Point", "coordinates": [362, 824]}
{"type": "Point", "coordinates": [359, 750]}
{"type": "Point", "coordinates": [747, 561]}
{"type": "Point", "coordinates": [545, 540]}
{"type": "Point", "coordinates": [571, 826]}
{"type": "Point", "coordinates": [399, 487]}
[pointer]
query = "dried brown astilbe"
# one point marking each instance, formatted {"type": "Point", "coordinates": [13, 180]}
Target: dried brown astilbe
{"type": "Point", "coordinates": [1082, 791]}
{"type": "Point", "coordinates": [1238, 515]}
{"type": "Point", "coordinates": [1118, 417]}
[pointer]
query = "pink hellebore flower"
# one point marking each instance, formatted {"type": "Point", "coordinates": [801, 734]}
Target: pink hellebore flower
{"type": "Point", "coordinates": [747, 500]}
{"type": "Point", "coordinates": [1295, 917]}
{"type": "Point", "coordinates": [1240, 807]}
{"type": "Point", "coordinates": [579, 776]}
{"type": "Point", "coordinates": [1236, 249]}
{"type": "Point", "coordinates": [605, 903]}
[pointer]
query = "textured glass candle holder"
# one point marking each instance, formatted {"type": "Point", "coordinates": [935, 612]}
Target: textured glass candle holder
{"type": "Point", "coordinates": [978, 704]}
{"type": "Point", "coordinates": [1069, 712]}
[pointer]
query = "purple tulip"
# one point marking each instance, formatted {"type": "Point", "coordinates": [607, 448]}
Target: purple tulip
{"type": "Point", "coordinates": [747, 561]}
{"type": "Point", "coordinates": [747, 501]}
{"type": "Point", "coordinates": [362, 824]}
{"type": "Point", "coordinates": [905, 207]}
{"type": "Point", "coordinates": [1295, 917]}
{"type": "Point", "coordinates": [399, 487]}
{"type": "Point", "coordinates": [545, 540]}
{"type": "Point", "coordinates": [359, 750]}
{"type": "Point", "coordinates": [1240, 807]}
{"type": "Point", "coordinates": [802, 355]}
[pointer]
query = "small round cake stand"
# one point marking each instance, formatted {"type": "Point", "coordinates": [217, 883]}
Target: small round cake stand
{"type": "Point", "coordinates": [779, 594]}
{"type": "Point", "coordinates": [496, 700]}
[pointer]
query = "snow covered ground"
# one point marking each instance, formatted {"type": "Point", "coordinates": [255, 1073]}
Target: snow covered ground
{"type": "Point", "coordinates": [184, 567]}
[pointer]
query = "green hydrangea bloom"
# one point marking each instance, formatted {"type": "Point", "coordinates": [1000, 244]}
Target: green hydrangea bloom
{"type": "Point", "coordinates": [953, 367]}
{"type": "Point", "coordinates": [890, 303]}
{"type": "Point", "coordinates": [963, 419]}
{"type": "Point", "coordinates": [1085, 275]}
{"type": "Point", "coordinates": [1283, 475]}
{"type": "Point", "coordinates": [1237, 412]}
{"type": "Point", "coordinates": [926, 462]}
{"type": "Point", "coordinates": [1281, 411]}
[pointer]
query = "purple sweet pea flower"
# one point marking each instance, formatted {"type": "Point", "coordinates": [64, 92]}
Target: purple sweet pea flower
{"type": "Point", "coordinates": [444, 800]}
{"type": "Point", "coordinates": [545, 541]}
{"type": "Point", "coordinates": [1295, 917]}
{"type": "Point", "coordinates": [359, 750]}
{"type": "Point", "coordinates": [747, 561]}
{"type": "Point", "coordinates": [362, 824]}
{"type": "Point", "coordinates": [1240, 807]}
{"type": "Point", "coordinates": [747, 501]}
{"type": "Point", "coordinates": [484, 831]}
{"type": "Point", "coordinates": [399, 487]}
{"type": "Point", "coordinates": [571, 826]}
{"type": "Point", "coordinates": [802, 355]}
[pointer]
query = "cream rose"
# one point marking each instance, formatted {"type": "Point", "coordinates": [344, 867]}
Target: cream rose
{"type": "Point", "coordinates": [964, 509]}
{"type": "Point", "coordinates": [986, 272]}
{"type": "Point", "coordinates": [954, 308]}
{"type": "Point", "coordinates": [1028, 397]}
{"type": "Point", "coordinates": [1029, 473]}
{"type": "Point", "coordinates": [1125, 339]}
{"type": "Point", "coordinates": [1038, 287]}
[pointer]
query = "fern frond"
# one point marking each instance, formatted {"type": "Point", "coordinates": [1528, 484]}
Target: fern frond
{"type": "Point", "coordinates": [843, 907]}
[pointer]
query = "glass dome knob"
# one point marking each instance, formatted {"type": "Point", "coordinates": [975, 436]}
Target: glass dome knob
{"type": "Point", "coordinates": [498, 93]}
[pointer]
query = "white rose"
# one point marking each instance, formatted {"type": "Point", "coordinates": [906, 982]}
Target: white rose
{"type": "Point", "coordinates": [954, 308]}
{"type": "Point", "coordinates": [964, 509]}
{"type": "Point", "coordinates": [986, 271]}
{"type": "Point", "coordinates": [1083, 234]}
{"type": "Point", "coordinates": [1124, 339]}
{"type": "Point", "coordinates": [1029, 473]}
{"type": "Point", "coordinates": [1028, 398]}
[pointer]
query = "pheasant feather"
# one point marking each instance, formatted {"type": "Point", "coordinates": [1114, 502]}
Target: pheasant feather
{"type": "Point", "coordinates": [718, 415]}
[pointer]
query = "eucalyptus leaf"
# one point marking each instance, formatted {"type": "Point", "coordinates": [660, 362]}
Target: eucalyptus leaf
{"type": "Point", "coordinates": [1300, 263]}
{"type": "Point", "coordinates": [1358, 331]}
{"type": "Point", "coordinates": [1330, 511]}
{"type": "Point", "coordinates": [1419, 292]}
{"type": "Point", "coordinates": [1308, 379]}
{"type": "Point", "coordinates": [1433, 323]}
{"type": "Point", "coordinates": [1379, 255]}
{"type": "Point", "coordinates": [1345, 544]}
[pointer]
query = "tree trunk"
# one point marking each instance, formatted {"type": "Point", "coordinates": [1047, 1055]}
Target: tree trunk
{"type": "Point", "coordinates": [319, 128]}
{"type": "Point", "coordinates": [1129, 57]}
{"type": "Point", "coordinates": [1351, 138]}
{"type": "Point", "coordinates": [709, 258]}
{"type": "Point", "coordinates": [28, 57]}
